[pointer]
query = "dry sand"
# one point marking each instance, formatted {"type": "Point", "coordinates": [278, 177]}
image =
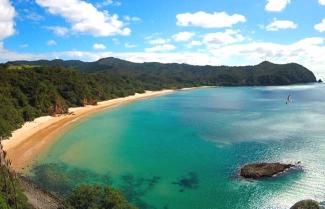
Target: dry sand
{"type": "Point", "coordinates": [34, 137]}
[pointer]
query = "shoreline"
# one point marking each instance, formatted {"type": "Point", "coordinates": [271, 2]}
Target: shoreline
{"type": "Point", "coordinates": [34, 137]}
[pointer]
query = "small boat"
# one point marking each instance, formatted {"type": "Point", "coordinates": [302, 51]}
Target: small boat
{"type": "Point", "coordinates": [289, 99]}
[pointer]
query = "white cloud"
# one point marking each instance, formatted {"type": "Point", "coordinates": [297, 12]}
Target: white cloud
{"type": "Point", "coordinates": [6, 55]}
{"type": "Point", "coordinates": [161, 48]}
{"type": "Point", "coordinates": [183, 36]}
{"type": "Point", "coordinates": [313, 41]}
{"type": "Point", "coordinates": [159, 45]}
{"type": "Point", "coordinates": [195, 43]}
{"type": "Point", "coordinates": [7, 15]}
{"type": "Point", "coordinates": [277, 25]}
{"type": "Point", "coordinates": [33, 16]}
{"type": "Point", "coordinates": [51, 43]}
{"type": "Point", "coordinates": [222, 38]}
{"type": "Point", "coordinates": [99, 46]}
{"type": "Point", "coordinates": [209, 20]}
{"type": "Point", "coordinates": [132, 19]}
{"type": "Point", "coordinates": [306, 52]}
{"type": "Point", "coordinates": [320, 26]}
{"type": "Point", "coordinates": [322, 2]}
{"type": "Point", "coordinates": [106, 3]}
{"type": "Point", "coordinates": [159, 41]}
{"type": "Point", "coordinates": [85, 18]}
{"type": "Point", "coordinates": [59, 30]}
{"type": "Point", "coordinates": [276, 5]}
{"type": "Point", "coordinates": [129, 46]}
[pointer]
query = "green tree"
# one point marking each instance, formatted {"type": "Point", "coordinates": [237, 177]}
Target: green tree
{"type": "Point", "coordinates": [97, 197]}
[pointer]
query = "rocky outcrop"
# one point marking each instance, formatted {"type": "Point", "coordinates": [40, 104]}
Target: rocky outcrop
{"type": "Point", "coordinates": [262, 170]}
{"type": "Point", "coordinates": [59, 108]}
{"type": "Point", "coordinates": [89, 102]}
{"type": "Point", "coordinates": [306, 204]}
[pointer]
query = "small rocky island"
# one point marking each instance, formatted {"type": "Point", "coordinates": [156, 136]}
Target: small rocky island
{"type": "Point", "coordinates": [262, 170]}
{"type": "Point", "coordinates": [306, 204]}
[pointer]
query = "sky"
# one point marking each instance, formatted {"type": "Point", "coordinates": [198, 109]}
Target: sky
{"type": "Point", "coordinates": [200, 32]}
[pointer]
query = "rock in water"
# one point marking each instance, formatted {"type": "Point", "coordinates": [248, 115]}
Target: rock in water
{"type": "Point", "coordinates": [260, 170]}
{"type": "Point", "coordinates": [306, 204]}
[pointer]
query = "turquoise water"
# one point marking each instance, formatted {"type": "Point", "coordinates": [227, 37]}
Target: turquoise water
{"type": "Point", "coordinates": [183, 150]}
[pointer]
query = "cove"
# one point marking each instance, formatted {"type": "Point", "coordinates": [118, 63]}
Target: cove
{"type": "Point", "coordinates": [183, 150]}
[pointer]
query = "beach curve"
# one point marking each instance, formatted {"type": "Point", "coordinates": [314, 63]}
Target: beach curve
{"type": "Point", "coordinates": [34, 137]}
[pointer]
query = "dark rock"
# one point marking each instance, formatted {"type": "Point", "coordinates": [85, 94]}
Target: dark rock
{"type": "Point", "coordinates": [260, 170]}
{"type": "Point", "coordinates": [306, 204]}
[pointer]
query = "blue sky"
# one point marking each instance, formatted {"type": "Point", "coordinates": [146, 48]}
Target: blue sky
{"type": "Point", "coordinates": [216, 32]}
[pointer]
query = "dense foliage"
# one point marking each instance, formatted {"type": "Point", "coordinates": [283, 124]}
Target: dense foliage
{"type": "Point", "coordinates": [27, 93]}
{"type": "Point", "coordinates": [32, 89]}
{"type": "Point", "coordinates": [11, 196]}
{"type": "Point", "coordinates": [97, 197]}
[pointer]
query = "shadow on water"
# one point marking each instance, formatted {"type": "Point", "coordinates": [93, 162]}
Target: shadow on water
{"type": "Point", "coordinates": [62, 179]}
{"type": "Point", "coordinates": [135, 188]}
{"type": "Point", "coordinates": [191, 181]}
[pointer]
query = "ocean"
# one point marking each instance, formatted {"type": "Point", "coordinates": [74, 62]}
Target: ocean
{"type": "Point", "coordinates": [184, 150]}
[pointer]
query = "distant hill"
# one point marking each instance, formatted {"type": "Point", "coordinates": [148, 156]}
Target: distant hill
{"type": "Point", "coordinates": [266, 73]}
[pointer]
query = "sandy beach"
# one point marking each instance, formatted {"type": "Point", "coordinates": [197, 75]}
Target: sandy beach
{"type": "Point", "coordinates": [34, 137]}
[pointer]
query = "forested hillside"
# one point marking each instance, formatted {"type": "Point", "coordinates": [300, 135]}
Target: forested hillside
{"type": "Point", "coordinates": [26, 93]}
{"type": "Point", "coordinates": [32, 89]}
{"type": "Point", "coordinates": [157, 75]}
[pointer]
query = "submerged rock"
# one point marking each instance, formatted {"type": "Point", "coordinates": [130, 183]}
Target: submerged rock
{"type": "Point", "coordinates": [260, 170]}
{"type": "Point", "coordinates": [188, 182]}
{"type": "Point", "coordinates": [306, 204]}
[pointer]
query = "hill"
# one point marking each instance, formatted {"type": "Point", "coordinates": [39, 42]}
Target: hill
{"type": "Point", "coordinates": [157, 75]}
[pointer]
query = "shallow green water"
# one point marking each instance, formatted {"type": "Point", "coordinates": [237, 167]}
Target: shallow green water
{"type": "Point", "coordinates": [183, 150]}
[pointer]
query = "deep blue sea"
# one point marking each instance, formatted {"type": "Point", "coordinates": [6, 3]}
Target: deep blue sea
{"type": "Point", "coordinates": [183, 150]}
